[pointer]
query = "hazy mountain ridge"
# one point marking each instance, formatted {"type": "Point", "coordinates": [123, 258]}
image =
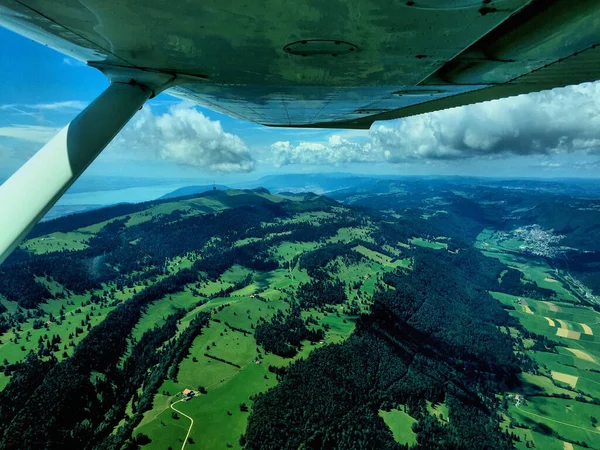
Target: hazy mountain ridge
{"type": "Point", "coordinates": [192, 190]}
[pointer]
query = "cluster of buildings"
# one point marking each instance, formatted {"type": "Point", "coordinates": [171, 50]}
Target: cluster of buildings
{"type": "Point", "coordinates": [517, 399]}
{"type": "Point", "coordinates": [188, 394]}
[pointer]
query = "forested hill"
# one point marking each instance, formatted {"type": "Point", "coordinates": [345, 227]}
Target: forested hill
{"type": "Point", "coordinates": [565, 215]}
{"type": "Point", "coordinates": [203, 202]}
{"type": "Point", "coordinates": [193, 190]}
{"type": "Point", "coordinates": [81, 251]}
{"type": "Point", "coordinates": [297, 322]}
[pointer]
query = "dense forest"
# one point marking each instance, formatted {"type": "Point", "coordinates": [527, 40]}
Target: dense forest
{"type": "Point", "coordinates": [432, 335]}
{"type": "Point", "coordinates": [283, 334]}
{"type": "Point", "coordinates": [111, 254]}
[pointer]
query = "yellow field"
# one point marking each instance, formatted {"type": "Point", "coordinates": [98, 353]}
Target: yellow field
{"type": "Point", "coordinates": [551, 306]}
{"type": "Point", "coordinates": [581, 354]}
{"type": "Point", "coordinates": [525, 306]}
{"type": "Point", "coordinates": [586, 329]}
{"type": "Point", "coordinates": [568, 446]}
{"type": "Point", "coordinates": [550, 321]}
{"type": "Point", "coordinates": [563, 332]}
{"type": "Point", "coordinates": [563, 324]}
{"type": "Point", "coordinates": [571, 380]}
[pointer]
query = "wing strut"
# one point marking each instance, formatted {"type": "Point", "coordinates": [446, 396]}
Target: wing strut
{"type": "Point", "coordinates": [39, 183]}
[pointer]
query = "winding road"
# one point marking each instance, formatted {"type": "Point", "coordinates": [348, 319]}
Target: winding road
{"type": "Point", "coordinates": [191, 424]}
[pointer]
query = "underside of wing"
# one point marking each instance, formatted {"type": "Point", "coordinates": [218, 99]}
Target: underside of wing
{"type": "Point", "coordinates": [338, 63]}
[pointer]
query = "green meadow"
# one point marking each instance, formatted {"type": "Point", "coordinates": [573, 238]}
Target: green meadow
{"type": "Point", "coordinates": [568, 418]}
{"type": "Point", "coordinates": [382, 259]}
{"type": "Point", "coordinates": [433, 244]}
{"type": "Point", "coordinates": [218, 412]}
{"type": "Point", "coordinates": [400, 424]}
{"type": "Point", "coordinates": [55, 242]}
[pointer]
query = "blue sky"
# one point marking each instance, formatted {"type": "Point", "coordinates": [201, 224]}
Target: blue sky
{"type": "Point", "coordinates": [551, 134]}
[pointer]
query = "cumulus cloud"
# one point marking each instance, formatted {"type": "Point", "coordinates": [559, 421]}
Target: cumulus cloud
{"type": "Point", "coordinates": [553, 122]}
{"type": "Point", "coordinates": [557, 121]}
{"type": "Point", "coordinates": [336, 150]}
{"type": "Point", "coordinates": [29, 133]}
{"type": "Point", "coordinates": [186, 136]}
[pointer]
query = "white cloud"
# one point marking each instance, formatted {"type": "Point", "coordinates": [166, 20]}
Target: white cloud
{"type": "Point", "coordinates": [30, 133]}
{"type": "Point", "coordinates": [184, 135]}
{"type": "Point", "coordinates": [63, 106]}
{"type": "Point", "coordinates": [336, 150]}
{"type": "Point", "coordinates": [70, 105]}
{"type": "Point", "coordinates": [587, 165]}
{"type": "Point", "coordinates": [558, 121]}
{"type": "Point", "coordinates": [552, 122]}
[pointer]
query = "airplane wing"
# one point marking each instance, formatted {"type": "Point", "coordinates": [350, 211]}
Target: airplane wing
{"type": "Point", "coordinates": [329, 63]}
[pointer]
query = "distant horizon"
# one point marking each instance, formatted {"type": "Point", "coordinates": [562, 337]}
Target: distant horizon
{"type": "Point", "coordinates": [132, 182]}
{"type": "Point", "coordinates": [90, 183]}
{"type": "Point", "coordinates": [98, 192]}
{"type": "Point", "coordinates": [203, 179]}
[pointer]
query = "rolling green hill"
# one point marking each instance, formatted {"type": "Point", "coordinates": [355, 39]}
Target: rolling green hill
{"type": "Point", "coordinates": [297, 321]}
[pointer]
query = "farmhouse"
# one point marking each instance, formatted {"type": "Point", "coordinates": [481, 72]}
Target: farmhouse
{"type": "Point", "coordinates": [188, 394]}
{"type": "Point", "coordinates": [520, 399]}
